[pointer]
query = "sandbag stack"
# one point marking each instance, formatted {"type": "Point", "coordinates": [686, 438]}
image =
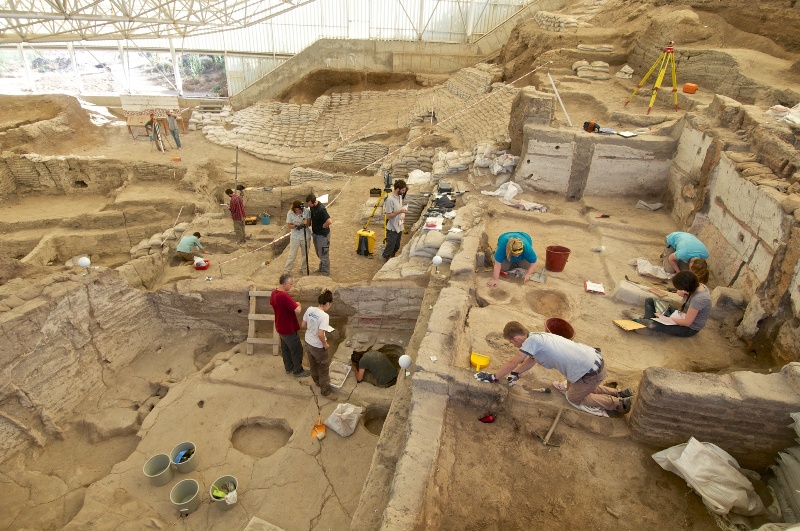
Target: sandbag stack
{"type": "Point", "coordinates": [786, 483]}
{"type": "Point", "coordinates": [598, 70]}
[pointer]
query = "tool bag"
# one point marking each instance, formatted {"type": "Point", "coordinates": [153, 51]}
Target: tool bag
{"type": "Point", "coordinates": [591, 127]}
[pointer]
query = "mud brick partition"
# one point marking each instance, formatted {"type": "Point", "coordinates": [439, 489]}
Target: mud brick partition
{"type": "Point", "coordinates": [744, 413]}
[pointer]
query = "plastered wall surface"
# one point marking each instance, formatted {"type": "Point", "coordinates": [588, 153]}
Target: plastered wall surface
{"type": "Point", "coordinates": [546, 161]}
{"type": "Point", "coordinates": [641, 166]}
{"type": "Point", "coordinates": [593, 164]}
{"type": "Point", "coordinates": [751, 221]}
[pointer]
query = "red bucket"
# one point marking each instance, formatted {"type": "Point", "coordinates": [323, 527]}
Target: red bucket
{"type": "Point", "coordinates": [559, 327]}
{"type": "Point", "coordinates": [556, 258]}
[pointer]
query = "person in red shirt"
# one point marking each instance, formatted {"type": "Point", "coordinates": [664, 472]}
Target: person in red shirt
{"type": "Point", "coordinates": [236, 206]}
{"type": "Point", "coordinates": [287, 311]}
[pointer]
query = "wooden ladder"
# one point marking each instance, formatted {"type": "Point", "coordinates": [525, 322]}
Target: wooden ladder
{"type": "Point", "coordinates": [254, 318]}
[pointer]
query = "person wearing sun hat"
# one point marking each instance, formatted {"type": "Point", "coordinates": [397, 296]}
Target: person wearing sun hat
{"type": "Point", "coordinates": [514, 250]}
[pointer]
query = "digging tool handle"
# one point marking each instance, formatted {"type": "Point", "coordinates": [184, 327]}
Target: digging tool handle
{"type": "Point", "coordinates": [553, 427]}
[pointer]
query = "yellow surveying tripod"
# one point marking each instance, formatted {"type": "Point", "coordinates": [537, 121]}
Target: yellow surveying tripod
{"type": "Point", "coordinates": [666, 58]}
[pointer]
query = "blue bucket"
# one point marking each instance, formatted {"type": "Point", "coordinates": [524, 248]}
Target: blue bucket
{"type": "Point", "coordinates": [264, 219]}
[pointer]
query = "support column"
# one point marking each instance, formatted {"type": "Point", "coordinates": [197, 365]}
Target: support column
{"type": "Point", "coordinates": [71, 48]}
{"type": "Point", "coordinates": [421, 22]}
{"type": "Point", "coordinates": [28, 76]}
{"type": "Point", "coordinates": [470, 19]}
{"type": "Point", "coordinates": [123, 57]}
{"type": "Point", "coordinates": [176, 68]}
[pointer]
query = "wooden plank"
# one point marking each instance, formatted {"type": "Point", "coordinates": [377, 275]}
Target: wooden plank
{"type": "Point", "coordinates": [251, 328]}
{"type": "Point", "coordinates": [254, 293]}
{"type": "Point", "coordinates": [261, 341]}
{"type": "Point", "coordinates": [261, 317]}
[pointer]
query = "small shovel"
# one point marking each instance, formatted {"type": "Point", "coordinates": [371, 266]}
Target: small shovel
{"type": "Point", "coordinates": [318, 431]}
{"type": "Point", "coordinates": [541, 278]}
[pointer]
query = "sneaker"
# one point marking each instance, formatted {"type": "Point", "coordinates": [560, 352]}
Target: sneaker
{"type": "Point", "coordinates": [302, 374]}
{"type": "Point", "coordinates": [626, 393]}
{"type": "Point", "coordinates": [631, 314]}
{"type": "Point", "coordinates": [626, 404]}
{"type": "Point", "coordinates": [325, 392]}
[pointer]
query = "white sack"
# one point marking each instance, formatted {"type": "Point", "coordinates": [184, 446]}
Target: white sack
{"type": "Point", "coordinates": [714, 475]}
{"type": "Point", "coordinates": [646, 269]}
{"type": "Point", "coordinates": [507, 190]}
{"type": "Point", "coordinates": [344, 419]}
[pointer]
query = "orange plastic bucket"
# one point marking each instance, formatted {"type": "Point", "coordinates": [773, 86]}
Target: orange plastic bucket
{"type": "Point", "coordinates": [556, 258]}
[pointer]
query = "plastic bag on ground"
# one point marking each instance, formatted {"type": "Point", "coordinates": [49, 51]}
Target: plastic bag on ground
{"type": "Point", "coordinates": [714, 475]}
{"type": "Point", "coordinates": [344, 419]}
{"type": "Point", "coordinates": [646, 269]}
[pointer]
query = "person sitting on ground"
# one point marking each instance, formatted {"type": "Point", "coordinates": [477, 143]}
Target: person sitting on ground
{"type": "Point", "coordinates": [514, 250]}
{"type": "Point", "coordinates": [316, 322]}
{"type": "Point", "coordinates": [694, 311]}
{"type": "Point", "coordinates": [582, 365]}
{"type": "Point", "coordinates": [681, 248]}
{"type": "Point", "coordinates": [185, 248]}
{"type": "Point", "coordinates": [300, 236]}
{"type": "Point", "coordinates": [699, 267]}
{"type": "Point", "coordinates": [374, 367]}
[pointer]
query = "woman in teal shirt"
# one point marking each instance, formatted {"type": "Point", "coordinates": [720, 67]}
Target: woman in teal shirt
{"type": "Point", "coordinates": [514, 250]}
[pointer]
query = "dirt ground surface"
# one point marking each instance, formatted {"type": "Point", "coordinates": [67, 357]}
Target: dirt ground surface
{"type": "Point", "coordinates": [192, 385]}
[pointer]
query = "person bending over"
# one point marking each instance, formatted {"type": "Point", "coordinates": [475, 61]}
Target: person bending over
{"type": "Point", "coordinates": [185, 248]}
{"type": "Point", "coordinates": [582, 365]}
{"type": "Point", "coordinates": [514, 250]}
{"type": "Point", "coordinates": [374, 367]}
{"type": "Point", "coordinates": [693, 313]}
{"type": "Point", "coordinates": [681, 247]}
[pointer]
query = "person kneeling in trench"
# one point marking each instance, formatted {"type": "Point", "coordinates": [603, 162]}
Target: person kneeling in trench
{"type": "Point", "coordinates": [581, 364]}
{"type": "Point", "coordinates": [374, 367]}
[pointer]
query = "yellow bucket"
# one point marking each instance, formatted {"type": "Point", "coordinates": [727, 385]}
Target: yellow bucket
{"type": "Point", "coordinates": [479, 361]}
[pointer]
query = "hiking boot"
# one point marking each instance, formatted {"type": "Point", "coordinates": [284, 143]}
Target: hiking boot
{"type": "Point", "coordinates": [626, 393]}
{"type": "Point", "coordinates": [302, 374]}
{"type": "Point", "coordinates": [626, 404]}
{"type": "Point", "coordinates": [631, 314]}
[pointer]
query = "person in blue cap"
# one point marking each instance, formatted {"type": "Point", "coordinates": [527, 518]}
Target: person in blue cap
{"type": "Point", "coordinates": [514, 250]}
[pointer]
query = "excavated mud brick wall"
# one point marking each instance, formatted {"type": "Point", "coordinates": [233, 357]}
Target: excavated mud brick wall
{"type": "Point", "coordinates": [67, 174]}
{"type": "Point", "coordinates": [735, 183]}
{"type": "Point", "coordinates": [602, 165]}
{"type": "Point", "coordinates": [58, 345]}
{"type": "Point", "coordinates": [744, 412]}
{"type": "Point", "coordinates": [392, 306]}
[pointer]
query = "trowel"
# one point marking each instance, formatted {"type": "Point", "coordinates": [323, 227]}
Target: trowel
{"type": "Point", "coordinates": [541, 278]}
{"type": "Point", "coordinates": [318, 431]}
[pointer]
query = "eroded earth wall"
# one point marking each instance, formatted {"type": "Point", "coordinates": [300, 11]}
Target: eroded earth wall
{"type": "Point", "coordinates": [734, 181]}
{"type": "Point", "coordinates": [746, 413]}
{"type": "Point", "coordinates": [69, 174]}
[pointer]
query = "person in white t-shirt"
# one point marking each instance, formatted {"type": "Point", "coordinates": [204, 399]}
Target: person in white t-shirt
{"type": "Point", "coordinates": [316, 322]}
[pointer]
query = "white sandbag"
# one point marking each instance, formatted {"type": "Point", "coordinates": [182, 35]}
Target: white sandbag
{"type": "Point", "coordinates": [181, 227]}
{"type": "Point", "coordinates": [714, 475]}
{"type": "Point", "coordinates": [344, 419]}
{"type": "Point", "coordinates": [448, 250]}
{"type": "Point", "coordinates": [418, 177]}
{"type": "Point", "coordinates": [155, 241]}
{"type": "Point", "coordinates": [645, 268]}
{"type": "Point", "coordinates": [168, 234]}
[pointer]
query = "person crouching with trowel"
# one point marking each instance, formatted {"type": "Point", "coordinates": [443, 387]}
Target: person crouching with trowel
{"type": "Point", "coordinates": [581, 364]}
{"type": "Point", "coordinates": [514, 250]}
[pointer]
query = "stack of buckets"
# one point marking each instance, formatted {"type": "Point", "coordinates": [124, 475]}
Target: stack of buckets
{"type": "Point", "coordinates": [185, 495]}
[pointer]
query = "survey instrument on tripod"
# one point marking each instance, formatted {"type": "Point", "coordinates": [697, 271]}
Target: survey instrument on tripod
{"type": "Point", "coordinates": [664, 61]}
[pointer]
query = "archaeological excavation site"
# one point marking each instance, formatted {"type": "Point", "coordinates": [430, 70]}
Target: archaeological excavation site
{"type": "Point", "coordinates": [561, 240]}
